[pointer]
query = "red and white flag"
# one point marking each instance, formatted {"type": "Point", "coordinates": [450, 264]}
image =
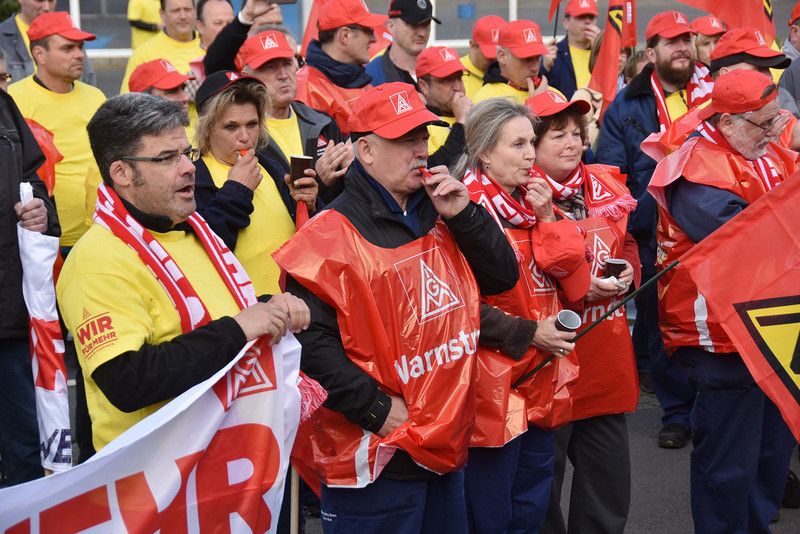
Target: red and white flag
{"type": "Point", "coordinates": [213, 459]}
{"type": "Point", "coordinates": [749, 273]}
{"type": "Point", "coordinates": [37, 254]}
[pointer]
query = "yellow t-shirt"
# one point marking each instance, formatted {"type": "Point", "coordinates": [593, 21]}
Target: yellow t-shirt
{"type": "Point", "coordinates": [179, 53]}
{"type": "Point", "coordinates": [112, 303]}
{"type": "Point", "coordinates": [66, 115]}
{"type": "Point", "coordinates": [438, 134]}
{"type": "Point", "coordinates": [473, 77]}
{"type": "Point", "coordinates": [143, 11]}
{"type": "Point", "coordinates": [676, 104]}
{"type": "Point", "coordinates": [270, 227]}
{"type": "Point", "coordinates": [580, 62]}
{"type": "Point", "coordinates": [286, 132]}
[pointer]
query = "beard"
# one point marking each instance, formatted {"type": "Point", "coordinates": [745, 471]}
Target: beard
{"type": "Point", "coordinates": [749, 149]}
{"type": "Point", "coordinates": [674, 75]}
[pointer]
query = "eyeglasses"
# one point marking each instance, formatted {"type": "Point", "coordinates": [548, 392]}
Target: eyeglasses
{"type": "Point", "coordinates": [766, 128]}
{"type": "Point", "coordinates": [369, 31]}
{"type": "Point", "coordinates": [169, 159]}
{"type": "Point", "coordinates": [5, 77]}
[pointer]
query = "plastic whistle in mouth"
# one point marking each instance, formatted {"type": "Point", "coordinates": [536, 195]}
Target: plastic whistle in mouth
{"type": "Point", "coordinates": [425, 173]}
{"type": "Point", "coordinates": [243, 152]}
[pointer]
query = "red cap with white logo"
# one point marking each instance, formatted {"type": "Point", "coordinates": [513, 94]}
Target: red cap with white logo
{"type": "Point", "coordinates": [486, 32]}
{"type": "Point", "coordinates": [550, 103]}
{"type": "Point", "coordinates": [668, 24]}
{"type": "Point", "coordinates": [390, 110]}
{"type": "Point", "coordinates": [263, 47]}
{"type": "Point", "coordinates": [57, 23]}
{"type": "Point", "coordinates": [708, 25]}
{"type": "Point", "coordinates": [746, 45]}
{"type": "Point", "coordinates": [338, 13]}
{"type": "Point", "coordinates": [158, 73]}
{"type": "Point", "coordinates": [523, 38]}
{"type": "Point", "coordinates": [439, 62]}
{"type": "Point", "coordinates": [578, 8]}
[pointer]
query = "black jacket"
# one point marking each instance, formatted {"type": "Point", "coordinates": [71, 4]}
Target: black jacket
{"type": "Point", "coordinates": [227, 209]}
{"type": "Point", "coordinates": [383, 70]}
{"type": "Point", "coordinates": [350, 390]}
{"type": "Point", "coordinates": [20, 156]}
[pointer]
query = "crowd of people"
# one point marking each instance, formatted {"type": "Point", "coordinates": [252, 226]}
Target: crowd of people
{"type": "Point", "coordinates": [458, 208]}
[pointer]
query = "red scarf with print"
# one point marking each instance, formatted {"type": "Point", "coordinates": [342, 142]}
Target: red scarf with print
{"type": "Point", "coordinates": [698, 90]}
{"type": "Point", "coordinates": [491, 195]}
{"type": "Point", "coordinates": [601, 201]}
{"type": "Point", "coordinates": [764, 167]}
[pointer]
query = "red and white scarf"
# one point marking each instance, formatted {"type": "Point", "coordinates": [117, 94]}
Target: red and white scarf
{"type": "Point", "coordinates": [600, 200]}
{"type": "Point", "coordinates": [111, 213]}
{"type": "Point", "coordinates": [698, 90]}
{"type": "Point", "coordinates": [764, 167]}
{"type": "Point", "coordinates": [491, 195]}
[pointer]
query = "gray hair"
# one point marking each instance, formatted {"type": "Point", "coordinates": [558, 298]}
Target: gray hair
{"type": "Point", "coordinates": [483, 128]}
{"type": "Point", "coordinates": [117, 128]}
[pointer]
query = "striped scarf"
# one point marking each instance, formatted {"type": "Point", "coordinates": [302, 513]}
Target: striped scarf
{"type": "Point", "coordinates": [698, 90]}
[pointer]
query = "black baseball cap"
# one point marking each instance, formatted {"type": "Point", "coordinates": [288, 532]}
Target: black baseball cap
{"type": "Point", "coordinates": [412, 11]}
{"type": "Point", "coordinates": [215, 83]}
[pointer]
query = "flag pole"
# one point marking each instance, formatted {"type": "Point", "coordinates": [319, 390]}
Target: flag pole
{"type": "Point", "coordinates": [597, 322]}
{"type": "Point", "coordinates": [555, 23]}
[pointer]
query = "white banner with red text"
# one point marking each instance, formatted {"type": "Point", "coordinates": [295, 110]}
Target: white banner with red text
{"type": "Point", "coordinates": [212, 460]}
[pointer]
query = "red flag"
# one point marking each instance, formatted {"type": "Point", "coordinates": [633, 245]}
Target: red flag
{"type": "Point", "coordinates": [749, 273]}
{"type": "Point", "coordinates": [553, 9]}
{"type": "Point", "coordinates": [621, 22]}
{"type": "Point", "coordinates": [741, 14]}
{"type": "Point", "coordinates": [311, 26]}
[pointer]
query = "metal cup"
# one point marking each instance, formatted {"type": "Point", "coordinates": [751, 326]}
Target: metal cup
{"type": "Point", "coordinates": [615, 266]}
{"type": "Point", "coordinates": [298, 165]}
{"type": "Point", "coordinates": [568, 321]}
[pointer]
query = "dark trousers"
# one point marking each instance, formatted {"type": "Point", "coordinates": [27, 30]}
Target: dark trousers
{"type": "Point", "coordinates": [428, 506]}
{"type": "Point", "coordinates": [19, 430]}
{"type": "Point", "coordinates": [598, 449]}
{"type": "Point", "coordinates": [672, 390]}
{"type": "Point", "coordinates": [742, 447]}
{"type": "Point", "coordinates": [508, 488]}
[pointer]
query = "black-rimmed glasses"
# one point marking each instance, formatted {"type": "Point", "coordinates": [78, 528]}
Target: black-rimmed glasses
{"type": "Point", "coordinates": [171, 158]}
{"type": "Point", "coordinates": [766, 128]}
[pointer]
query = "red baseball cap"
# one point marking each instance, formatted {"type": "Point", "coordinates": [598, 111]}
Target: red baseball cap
{"type": "Point", "coordinates": [708, 25]}
{"type": "Point", "coordinates": [795, 14]}
{"type": "Point", "coordinates": [263, 47]}
{"type": "Point", "coordinates": [550, 103]}
{"type": "Point", "coordinates": [57, 22]}
{"type": "Point", "coordinates": [577, 8]}
{"type": "Point", "coordinates": [739, 91]}
{"type": "Point", "coordinates": [338, 13]}
{"type": "Point", "coordinates": [523, 38]}
{"type": "Point", "coordinates": [560, 252]}
{"type": "Point", "coordinates": [390, 110]}
{"type": "Point", "coordinates": [439, 62]}
{"type": "Point", "coordinates": [668, 24]}
{"type": "Point", "coordinates": [746, 45]}
{"type": "Point", "coordinates": [486, 32]}
{"type": "Point", "coordinates": [158, 73]}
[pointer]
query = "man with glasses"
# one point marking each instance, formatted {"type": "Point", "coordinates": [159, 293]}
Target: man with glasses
{"type": "Point", "coordinates": [334, 78]}
{"type": "Point", "coordinates": [742, 446]}
{"type": "Point", "coordinates": [410, 25]}
{"type": "Point", "coordinates": [141, 292]}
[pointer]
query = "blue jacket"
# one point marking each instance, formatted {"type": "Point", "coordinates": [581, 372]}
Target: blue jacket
{"type": "Point", "coordinates": [383, 70]}
{"type": "Point", "coordinates": [630, 118]}
{"type": "Point", "coordinates": [562, 75]}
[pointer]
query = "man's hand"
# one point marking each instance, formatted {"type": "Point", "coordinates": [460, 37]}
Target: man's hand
{"type": "Point", "coordinates": [461, 106]}
{"type": "Point", "coordinates": [550, 58]}
{"type": "Point", "coordinates": [253, 9]}
{"type": "Point", "coordinates": [540, 196]}
{"type": "Point", "coordinates": [398, 414]}
{"type": "Point", "coordinates": [591, 33]}
{"type": "Point", "coordinates": [304, 189]}
{"type": "Point", "coordinates": [246, 171]}
{"type": "Point", "coordinates": [333, 163]}
{"type": "Point", "coordinates": [552, 340]}
{"type": "Point", "coordinates": [33, 215]}
{"type": "Point", "coordinates": [534, 89]}
{"type": "Point", "coordinates": [283, 312]}
{"type": "Point", "coordinates": [273, 15]}
{"type": "Point", "coordinates": [449, 196]}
